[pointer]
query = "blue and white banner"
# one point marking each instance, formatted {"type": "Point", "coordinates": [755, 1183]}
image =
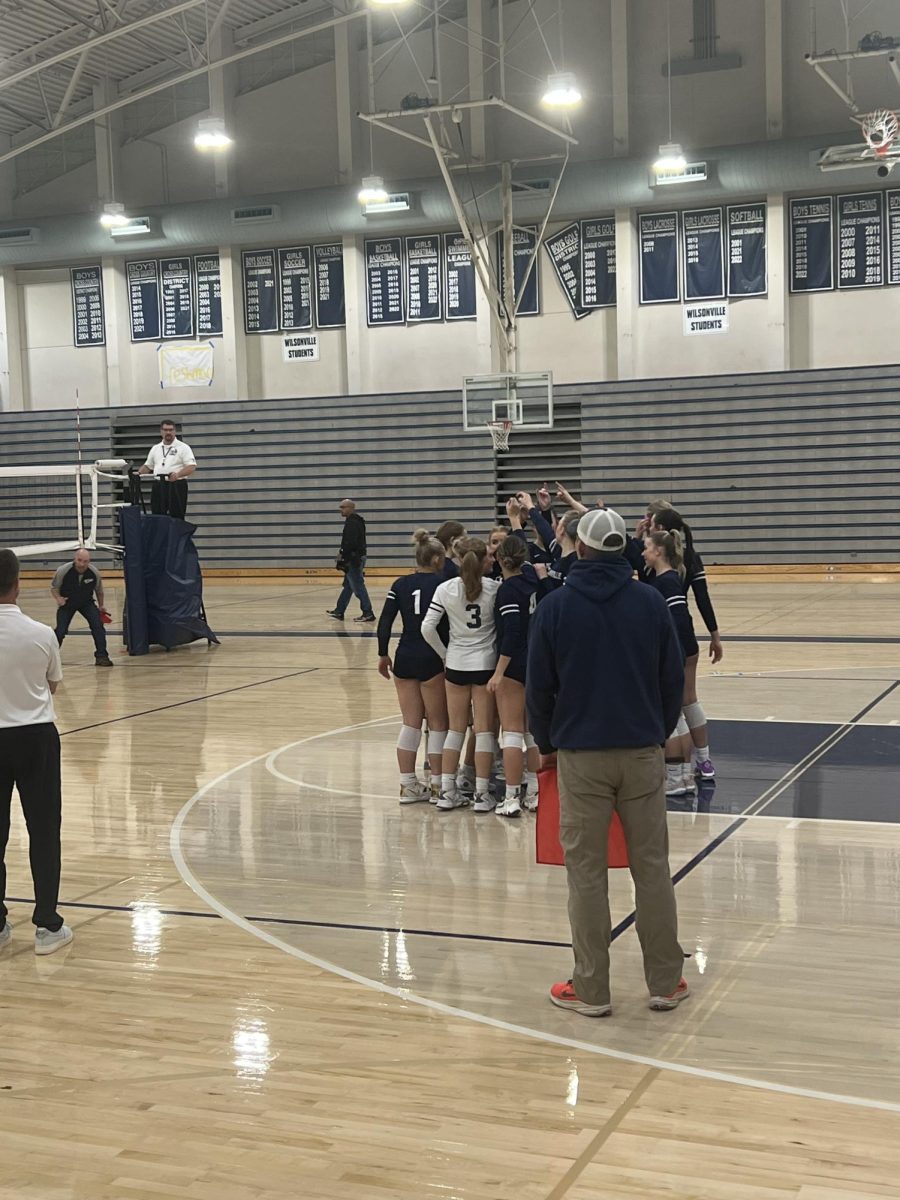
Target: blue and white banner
{"type": "Point", "coordinates": [177, 298]}
{"type": "Point", "coordinates": [260, 291]}
{"type": "Point", "coordinates": [209, 295]}
{"type": "Point", "coordinates": [893, 237]}
{"type": "Point", "coordinates": [423, 277]}
{"type": "Point", "coordinates": [524, 242]}
{"type": "Point", "coordinates": [703, 254]}
{"type": "Point", "coordinates": [564, 249]}
{"type": "Point", "coordinates": [295, 288]}
{"type": "Point", "coordinates": [658, 257]}
{"type": "Point", "coordinates": [598, 262]}
{"type": "Point", "coordinates": [811, 226]}
{"type": "Point", "coordinates": [459, 274]}
{"type": "Point", "coordinates": [329, 264]}
{"type": "Point", "coordinates": [860, 224]}
{"type": "Point", "coordinates": [748, 270]}
{"type": "Point", "coordinates": [384, 281]}
{"type": "Point", "coordinates": [143, 300]}
{"type": "Point", "coordinates": [87, 306]}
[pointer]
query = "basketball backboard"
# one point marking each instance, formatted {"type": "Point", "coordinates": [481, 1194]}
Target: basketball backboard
{"type": "Point", "coordinates": [525, 398]}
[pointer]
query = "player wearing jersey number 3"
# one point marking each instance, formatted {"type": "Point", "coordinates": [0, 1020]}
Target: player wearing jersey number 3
{"type": "Point", "coordinates": [469, 660]}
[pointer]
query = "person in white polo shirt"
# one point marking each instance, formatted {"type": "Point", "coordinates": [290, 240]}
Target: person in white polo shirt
{"type": "Point", "coordinates": [170, 462]}
{"type": "Point", "coordinates": [29, 756]}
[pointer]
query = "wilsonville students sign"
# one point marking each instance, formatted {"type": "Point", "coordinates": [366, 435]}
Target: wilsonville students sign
{"type": "Point", "coordinates": [709, 317]}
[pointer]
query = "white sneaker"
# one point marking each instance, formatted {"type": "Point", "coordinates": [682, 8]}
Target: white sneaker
{"type": "Point", "coordinates": [509, 808]}
{"type": "Point", "coordinates": [5, 934]}
{"type": "Point", "coordinates": [414, 793]}
{"type": "Point", "coordinates": [687, 778]}
{"type": "Point", "coordinates": [448, 800]}
{"type": "Point", "coordinates": [47, 941]}
{"type": "Point", "coordinates": [674, 781]}
{"type": "Point", "coordinates": [484, 802]}
{"type": "Point", "coordinates": [465, 783]}
{"type": "Point", "coordinates": [435, 793]}
{"type": "Point", "coordinates": [530, 800]}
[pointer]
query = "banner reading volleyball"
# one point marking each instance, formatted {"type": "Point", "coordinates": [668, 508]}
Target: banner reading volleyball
{"type": "Point", "coordinates": [186, 366]}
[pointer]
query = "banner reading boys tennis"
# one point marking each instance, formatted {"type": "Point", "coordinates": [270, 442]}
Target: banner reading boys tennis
{"type": "Point", "coordinates": [186, 365]}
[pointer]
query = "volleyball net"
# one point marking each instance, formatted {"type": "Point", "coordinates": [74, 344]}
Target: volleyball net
{"type": "Point", "coordinates": [46, 511]}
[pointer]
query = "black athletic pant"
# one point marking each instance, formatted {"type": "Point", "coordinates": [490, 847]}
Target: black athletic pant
{"type": "Point", "coordinates": [29, 759]}
{"type": "Point", "coordinates": [169, 499]}
{"type": "Point", "coordinates": [91, 614]}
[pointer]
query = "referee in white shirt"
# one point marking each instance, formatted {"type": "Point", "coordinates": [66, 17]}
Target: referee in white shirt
{"type": "Point", "coordinates": [29, 756]}
{"type": "Point", "coordinates": [170, 462]}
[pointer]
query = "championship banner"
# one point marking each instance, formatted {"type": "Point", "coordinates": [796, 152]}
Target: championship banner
{"type": "Point", "coordinates": [87, 306]}
{"type": "Point", "coordinates": [564, 249]}
{"type": "Point", "coordinates": [811, 245]}
{"type": "Point", "coordinates": [524, 242]}
{"type": "Point", "coordinates": [209, 295]}
{"type": "Point", "coordinates": [384, 281]}
{"type": "Point", "coordinates": [329, 264]}
{"type": "Point", "coordinates": [295, 290]}
{"type": "Point", "coordinates": [423, 277]}
{"type": "Point", "coordinates": [658, 257]}
{"type": "Point", "coordinates": [260, 291]}
{"type": "Point", "coordinates": [143, 300]}
{"type": "Point", "coordinates": [177, 300]}
{"type": "Point", "coordinates": [703, 254]}
{"type": "Point", "coordinates": [185, 366]}
{"type": "Point", "coordinates": [893, 236]}
{"type": "Point", "coordinates": [598, 262]}
{"type": "Point", "coordinates": [861, 240]}
{"type": "Point", "coordinates": [748, 272]}
{"type": "Point", "coordinates": [459, 274]}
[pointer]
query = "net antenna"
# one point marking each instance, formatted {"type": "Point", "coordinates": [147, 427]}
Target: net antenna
{"type": "Point", "coordinates": [500, 431]}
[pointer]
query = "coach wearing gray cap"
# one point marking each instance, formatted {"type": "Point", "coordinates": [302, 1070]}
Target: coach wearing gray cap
{"type": "Point", "coordinates": [604, 688]}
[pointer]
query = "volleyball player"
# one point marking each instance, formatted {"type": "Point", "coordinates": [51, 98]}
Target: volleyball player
{"type": "Point", "coordinates": [566, 530]}
{"type": "Point", "coordinates": [664, 561]}
{"type": "Point", "coordinates": [447, 534]}
{"type": "Point", "coordinates": [516, 600]}
{"type": "Point", "coordinates": [418, 671]}
{"type": "Point", "coordinates": [469, 661]}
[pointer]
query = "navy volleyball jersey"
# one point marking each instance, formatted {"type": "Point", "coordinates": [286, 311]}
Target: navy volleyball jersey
{"type": "Point", "coordinates": [516, 601]}
{"type": "Point", "coordinates": [672, 589]}
{"type": "Point", "coordinates": [410, 596]}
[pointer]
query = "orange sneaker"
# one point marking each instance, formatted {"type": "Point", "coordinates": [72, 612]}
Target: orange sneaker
{"type": "Point", "coordinates": [665, 1003]}
{"type": "Point", "coordinates": [563, 996]}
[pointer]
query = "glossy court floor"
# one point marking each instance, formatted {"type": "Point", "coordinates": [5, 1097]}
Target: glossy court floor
{"type": "Point", "coordinates": [283, 985]}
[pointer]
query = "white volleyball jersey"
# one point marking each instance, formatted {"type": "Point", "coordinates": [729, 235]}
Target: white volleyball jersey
{"type": "Point", "coordinates": [473, 639]}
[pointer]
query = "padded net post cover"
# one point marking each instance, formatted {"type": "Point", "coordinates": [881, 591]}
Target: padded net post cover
{"type": "Point", "coordinates": [163, 583]}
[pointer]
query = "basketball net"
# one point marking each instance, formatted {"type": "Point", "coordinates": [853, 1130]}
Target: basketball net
{"type": "Point", "coordinates": [880, 129]}
{"type": "Point", "coordinates": [500, 431]}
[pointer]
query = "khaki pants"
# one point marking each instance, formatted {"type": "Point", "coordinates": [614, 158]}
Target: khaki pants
{"type": "Point", "coordinates": [591, 784]}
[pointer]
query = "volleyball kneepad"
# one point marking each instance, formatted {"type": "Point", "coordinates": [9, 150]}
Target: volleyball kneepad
{"type": "Point", "coordinates": [694, 715]}
{"type": "Point", "coordinates": [484, 743]}
{"type": "Point", "coordinates": [454, 740]}
{"type": "Point", "coordinates": [409, 738]}
{"type": "Point", "coordinates": [682, 728]}
{"type": "Point", "coordinates": [436, 740]}
{"type": "Point", "coordinates": [512, 741]}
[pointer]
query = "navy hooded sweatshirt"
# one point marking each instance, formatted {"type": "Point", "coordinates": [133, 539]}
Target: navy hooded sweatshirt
{"type": "Point", "coordinates": [605, 668]}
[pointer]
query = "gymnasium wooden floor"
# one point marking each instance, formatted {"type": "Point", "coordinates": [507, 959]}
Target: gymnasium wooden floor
{"type": "Point", "coordinates": [283, 985]}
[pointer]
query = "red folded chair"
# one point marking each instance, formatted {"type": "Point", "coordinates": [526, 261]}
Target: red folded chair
{"type": "Point", "coordinates": [549, 850]}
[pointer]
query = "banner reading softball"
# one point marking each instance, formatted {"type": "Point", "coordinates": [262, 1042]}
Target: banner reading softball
{"type": "Point", "coordinates": [186, 366]}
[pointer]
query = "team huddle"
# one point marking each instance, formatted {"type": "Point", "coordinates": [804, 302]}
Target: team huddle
{"type": "Point", "coordinates": [461, 663]}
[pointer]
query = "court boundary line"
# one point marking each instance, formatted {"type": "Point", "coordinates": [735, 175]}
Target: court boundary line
{"type": "Point", "coordinates": [449, 1010]}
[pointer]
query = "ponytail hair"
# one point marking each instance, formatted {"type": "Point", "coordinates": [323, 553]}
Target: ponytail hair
{"type": "Point", "coordinates": [672, 546]}
{"type": "Point", "coordinates": [655, 507]}
{"type": "Point", "coordinates": [430, 552]}
{"type": "Point", "coordinates": [512, 552]}
{"type": "Point", "coordinates": [673, 522]}
{"type": "Point", "coordinates": [472, 552]}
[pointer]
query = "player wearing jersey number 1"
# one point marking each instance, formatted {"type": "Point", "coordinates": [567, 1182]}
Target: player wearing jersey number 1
{"type": "Point", "coordinates": [418, 671]}
{"type": "Point", "coordinates": [469, 660]}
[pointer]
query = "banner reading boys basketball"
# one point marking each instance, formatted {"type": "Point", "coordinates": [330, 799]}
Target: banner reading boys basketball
{"type": "Point", "coordinates": [861, 240]}
{"type": "Point", "coordinates": [423, 277]}
{"type": "Point", "coordinates": [329, 264]}
{"type": "Point", "coordinates": [812, 245]}
{"type": "Point", "coordinates": [459, 275]}
{"type": "Point", "coordinates": [209, 295]}
{"type": "Point", "coordinates": [295, 290]}
{"type": "Point", "coordinates": [260, 291]}
{"type": "Point", "coordinates": [564, 249]}
{"type": "Point", "coordinates": [703, 254]}
{"type": "Point", "coordinates": [658, 257]}
{"type": "Point", "coordinates": [384, 281]}
{"type": "Point", "coordinates": [87, 306]}
{"type": "Point", "coordinates": [598, 262]}
{"type": "Point", "coordinates": [524, 242]}
{"type": "Point", "coordinates": [747, 250]}
{"type": "Point", "coordinates": [177, 300]}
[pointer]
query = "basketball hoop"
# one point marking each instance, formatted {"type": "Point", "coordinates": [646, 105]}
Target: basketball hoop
{"type": "Point", "coordinates": [500, 431]}
{"type": "Point", "coordinates": [880, 129]}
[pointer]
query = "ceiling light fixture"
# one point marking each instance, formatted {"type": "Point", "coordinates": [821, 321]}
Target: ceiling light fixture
{"type": "Point", "coordinates": [113, 215]}
{"type": "Point", "coordinates": [562, 91]}
{"type": "Point", "coordinates": [211, 134]}
{"type": "Point", "coordinates": [373, 190]}
{"type": "Point", "coordinates": [387, 3]}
